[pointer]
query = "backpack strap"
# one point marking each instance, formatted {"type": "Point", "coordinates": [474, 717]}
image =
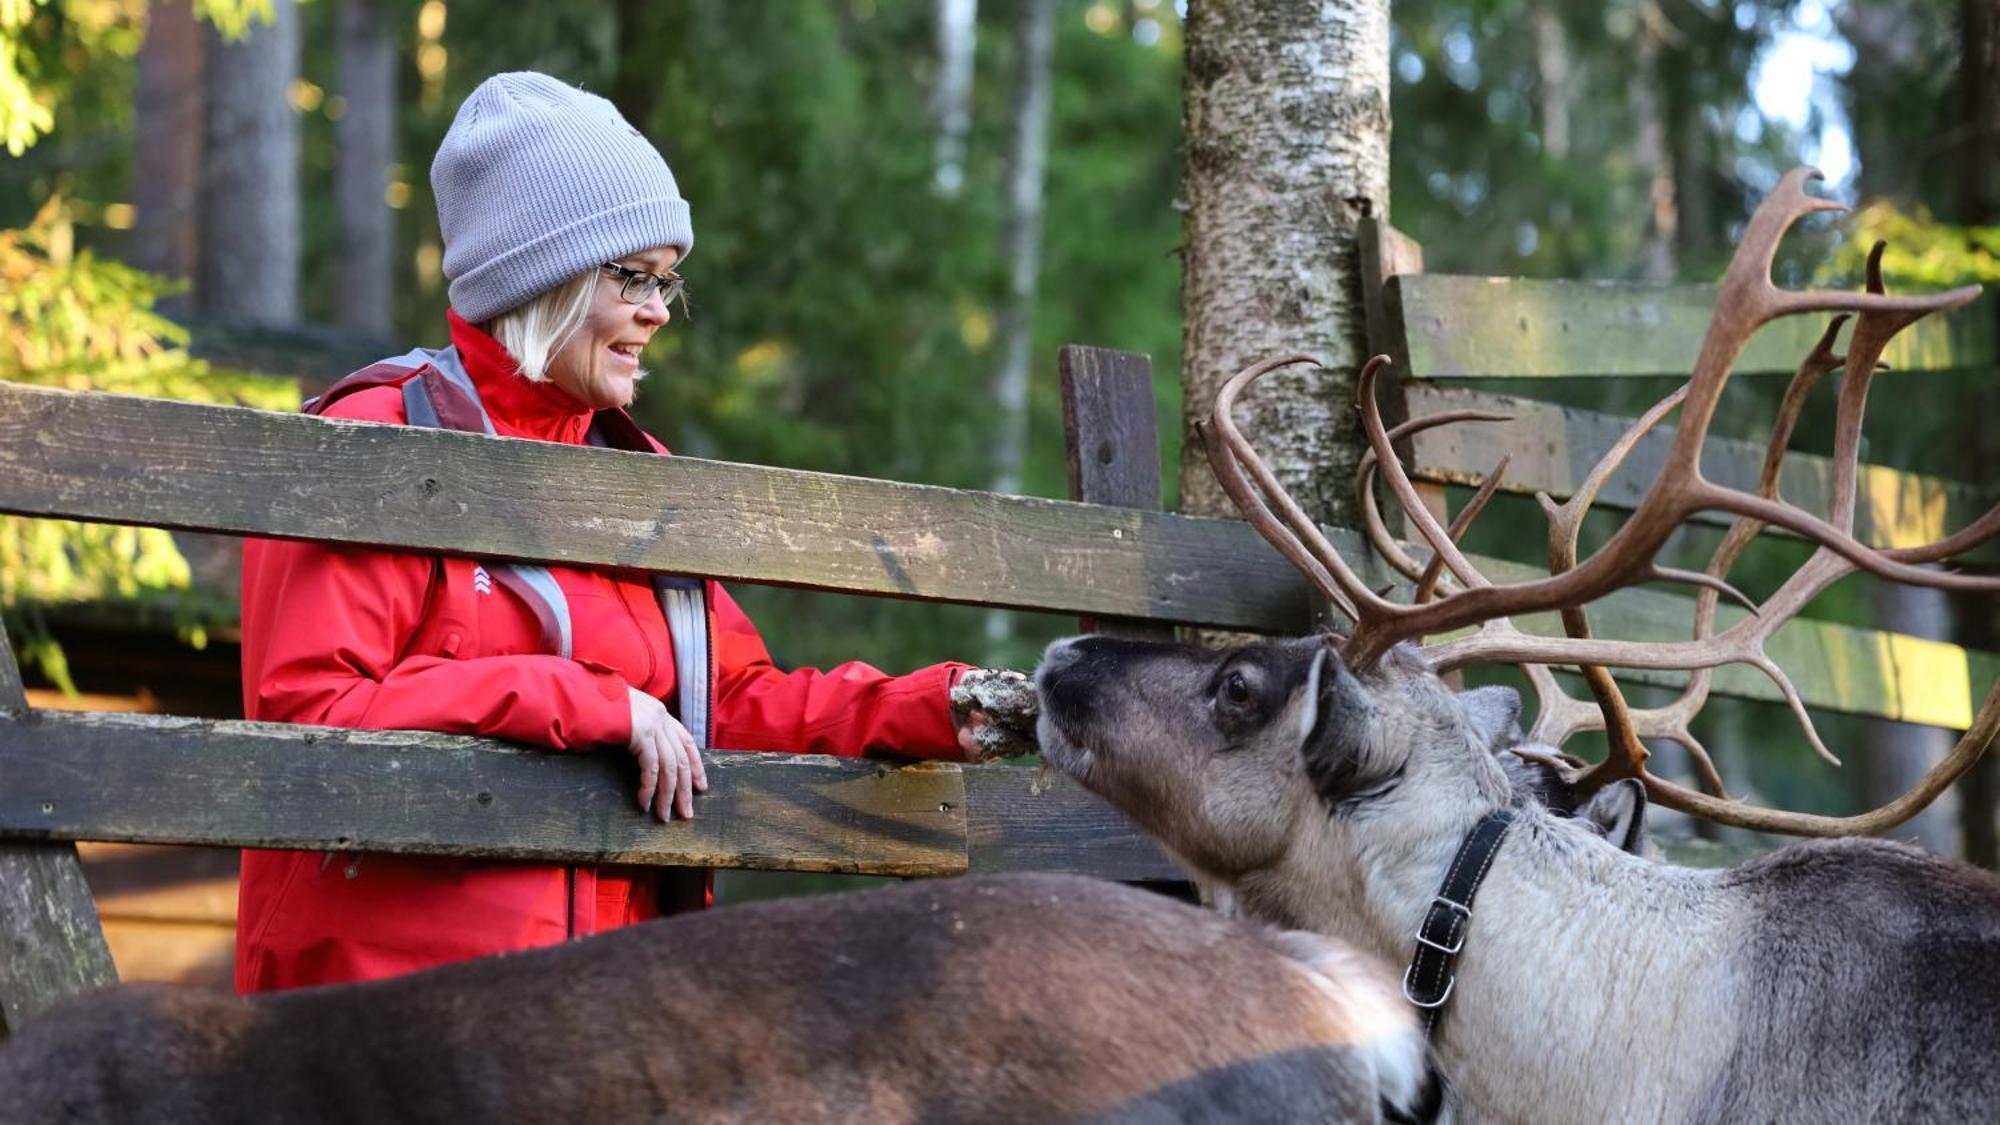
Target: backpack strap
{"type": "Point", "coordinates": [381, 373]}
{"type": "Point", "coordinates": [683, 601]}
{"type": "Point", "coordinates": [537, 587]}
{"type": "Point", "coordinates": [438, 393]}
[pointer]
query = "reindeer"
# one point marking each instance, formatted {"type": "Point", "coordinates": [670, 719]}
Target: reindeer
{"type": "Point", "coordinates": [1335, 783]}
{"type": "Point", "coordinates": [1029, 998]}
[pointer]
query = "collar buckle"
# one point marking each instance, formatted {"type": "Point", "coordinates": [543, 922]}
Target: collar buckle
{"type": "Point", "coordinates": [1450, 979]}
{"type": "Point", "coordinates": [1459, 927]}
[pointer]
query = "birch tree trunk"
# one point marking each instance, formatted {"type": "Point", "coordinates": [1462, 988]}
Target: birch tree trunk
{"type": "Point", "coordinates": [1552, 76]}
{"type": "Point", "coordinates": [1027, 162]}
{"type": "Point", "coordinates": [1658, 261]}
{"type": "Point", "coordinates": [166, 159]}
{"type": "Point", "coordinates": [366, 148]}
{"type": "Point", "coordinates": [951, 98]}
{"type": "Point", "coordinates": [1286, 130]}
{"type": "Point", "coordinates": [249, 257]}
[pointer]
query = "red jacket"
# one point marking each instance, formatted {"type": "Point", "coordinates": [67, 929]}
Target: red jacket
{"type": "Point", "coordinates": [349, 637]}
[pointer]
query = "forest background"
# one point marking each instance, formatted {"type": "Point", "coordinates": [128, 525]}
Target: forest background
{"type": "Point", "coordinates": [858, 217]}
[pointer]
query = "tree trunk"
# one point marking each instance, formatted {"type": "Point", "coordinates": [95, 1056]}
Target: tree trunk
{"type": "Point", "coordinates": [1695, 177]}
{"type": "Point", "coordinates": [366, 148]}
{"type": "Point", "coordinates": [249, 257]}
{"type": "Point", "coordinates": [1552, 76]}
{"type": "Point", "coordinates": [1286, 131]}
{"type": "Point", "coordinates": [1979, 111]}
{"type": "Point", "coordinates": [644, 28]}
{"type": "Point", "coordinates": [166, 160]}
{"type": "Point", "coordinates": [1978, 204]}
{"type": "Point", "coordinates": [1894, 755]}
{"type": "Point", "coordinates": [1657, 261]}
{"type": "Point", "coordinates": [1027, 162]}
{"type": "Point", "coordinates": [1978, 627]}
{"type": "Point", "coordinates": [1888, 48]}
{"type": "Point", "coordinates": [951, 98]}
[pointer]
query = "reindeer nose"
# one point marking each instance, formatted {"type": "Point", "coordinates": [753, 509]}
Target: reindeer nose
{"type": "Point", "coordinates": [1058, 656]}
{"type": "Point", "coordinates": [1060, 691]}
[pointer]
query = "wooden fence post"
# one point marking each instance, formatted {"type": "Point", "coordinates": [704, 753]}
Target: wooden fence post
{"type": "Point", "coordinates": [50, 942]}
{"type": "Point", "coordinates": [1111, 436]}
{"type": "Point", "coordinates": [1388, 253]}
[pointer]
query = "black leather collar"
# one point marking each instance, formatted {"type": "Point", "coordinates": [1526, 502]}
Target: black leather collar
{"type": "Point", "coordinates": [1429, 979]}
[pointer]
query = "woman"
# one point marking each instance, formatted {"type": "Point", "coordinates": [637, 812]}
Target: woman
{"type": "Point", "coordinates": [562, 228]}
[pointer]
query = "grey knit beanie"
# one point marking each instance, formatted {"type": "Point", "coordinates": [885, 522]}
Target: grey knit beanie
{"type": "Point", "coordinates": [537, 182]}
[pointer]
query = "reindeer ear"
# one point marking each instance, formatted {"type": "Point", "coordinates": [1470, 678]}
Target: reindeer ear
{"type": "Point", "coordinates": [1619, 811]}
{"type": "Point", "coordinates": [1495, 715]}
{"type": "Point", "coordinates": [1335, 726]}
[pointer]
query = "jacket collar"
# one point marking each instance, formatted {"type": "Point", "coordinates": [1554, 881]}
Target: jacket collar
{"type": "Point", "coordinates": [517, 406]}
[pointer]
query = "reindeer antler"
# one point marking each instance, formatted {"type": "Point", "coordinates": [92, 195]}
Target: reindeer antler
{"type": "Point", "coordinates": [1748, 299]}
{"type": "Point", "coordinates": [1559, 715]}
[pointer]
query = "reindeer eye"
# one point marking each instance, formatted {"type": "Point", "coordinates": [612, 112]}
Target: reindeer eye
{"type": "Point", "coordinates": [1236, 689]}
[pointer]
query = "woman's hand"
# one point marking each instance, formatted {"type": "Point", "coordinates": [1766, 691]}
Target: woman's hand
{"type": "Point", "coordinates": [670, 768]}
{"type": "Point", "coordinates": [968, 736]}
{"type": "Point", "coordinates": [994, 710]}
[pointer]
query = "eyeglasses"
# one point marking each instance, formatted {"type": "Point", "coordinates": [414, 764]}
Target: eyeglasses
{"type": "Point", "coordinates": [637, 285]}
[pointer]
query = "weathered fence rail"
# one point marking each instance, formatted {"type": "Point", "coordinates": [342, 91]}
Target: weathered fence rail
{"type": "Point", "coordinates": [240, 471]}
{"type": "Point", "coordinates": [1450, 327]}
{"type": "Point", "coordinates": [1553, 447]}
{"type": "Point", "coordinates": [120, 459]}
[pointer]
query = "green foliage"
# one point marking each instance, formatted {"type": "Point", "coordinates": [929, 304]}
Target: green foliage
{"type": "Point", "coordinates": [50, 49]}
{"type": "Point", "coordinates": [80, 322]}
{"type": "Point", "coordinates": [23, 116]}
{"type": "Point", "coordinates": [46, 52]}
{"type": "Point", "coordinates": [234, 17]}
{"type": "Point", "coordinates": [1922, 253]}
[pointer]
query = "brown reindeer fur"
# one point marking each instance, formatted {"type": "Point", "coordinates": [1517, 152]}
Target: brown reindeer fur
{"type": "Point", "coordinates": [1029, 998]}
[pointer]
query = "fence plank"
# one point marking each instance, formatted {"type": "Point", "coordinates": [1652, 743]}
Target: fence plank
{"type": "Point", "coordinates": [51, 945]}
{"type": "Point", "coordinates": [1385, 253]}
{"type": "Point", "coordinates": [118, 459]}
{"type": "Point", "coordinates": [1449, 327]}
{"type": "Point", "coordinates": [1553, 448]}
{"type": "Point", "coordinates": [1111, 436]}
{"type": "Point", "coordinates": [1022, 819]}
{"type": "Point", "coordinates": [191, 781]}
{"type": "Point", "coordinates": [1835, 667]}
{"type": "Point", "coordinates": [103, 457]}
{"type": "Point", "coordinates": [13, 694]}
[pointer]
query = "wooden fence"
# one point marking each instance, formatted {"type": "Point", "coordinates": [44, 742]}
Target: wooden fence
{"type": "Point", "coordinates": [1112, 559]}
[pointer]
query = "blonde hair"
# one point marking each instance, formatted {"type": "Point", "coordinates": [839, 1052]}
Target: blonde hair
{"type": "Point", "coordinates": [537, 330]}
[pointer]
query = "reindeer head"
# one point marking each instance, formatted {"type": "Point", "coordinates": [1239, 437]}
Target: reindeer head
{"type": "Point", "coordinates": [1233, 757]}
